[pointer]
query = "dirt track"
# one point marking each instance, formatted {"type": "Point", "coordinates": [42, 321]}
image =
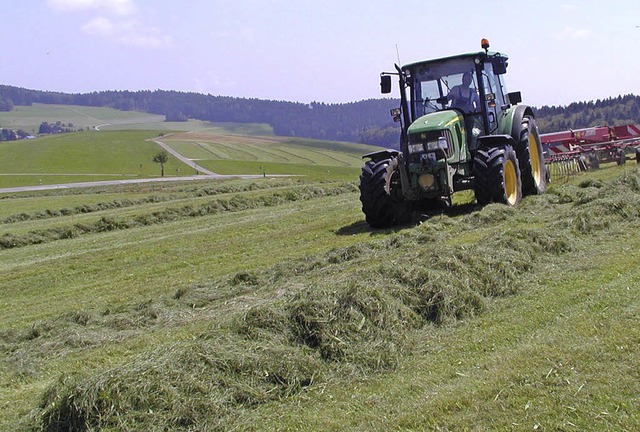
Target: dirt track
{"type": "Point", "coordinates": [185, 160]}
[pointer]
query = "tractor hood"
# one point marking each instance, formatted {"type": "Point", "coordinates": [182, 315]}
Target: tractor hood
{"type": "Point", "coordinates": [435, 121]}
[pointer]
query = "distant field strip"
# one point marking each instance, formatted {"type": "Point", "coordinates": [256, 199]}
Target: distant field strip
{"type": "Point", "coordinates": [29, 118]}
{"type": "Point", "coordinates": [226, 147]}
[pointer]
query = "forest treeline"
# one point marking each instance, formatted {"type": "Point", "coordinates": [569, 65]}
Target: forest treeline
{"type": "Point", "coordinates": [366, 121]}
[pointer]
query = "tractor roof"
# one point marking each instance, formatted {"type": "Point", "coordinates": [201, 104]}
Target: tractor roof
{"type": "Point", "coordinates": [481, 54]}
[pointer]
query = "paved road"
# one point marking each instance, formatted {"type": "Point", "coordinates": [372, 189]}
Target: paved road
{"type": "Point", "coordinates": [130, 181]}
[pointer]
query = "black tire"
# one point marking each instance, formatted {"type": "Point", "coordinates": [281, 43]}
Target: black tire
{"type": "Point", "coordinates": [638, 155]}
{"type": "Point", "coordinates": [621, 158]}
{"type": "Point", "coordinates": [382, 210]}
{"type": "Point", "coordinates": [497, 176]}
{"type": "Point", "coordinates": [530, 157]}
{"type": "Point", "coordinates": [594, 161]}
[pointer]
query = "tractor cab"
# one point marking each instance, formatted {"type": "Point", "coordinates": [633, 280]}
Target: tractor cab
{"type": "Point", "coordinates": [472, 85]}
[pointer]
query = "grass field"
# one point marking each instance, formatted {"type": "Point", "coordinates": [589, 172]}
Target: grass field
{"type": "Point", "coordinates": [29, 118]}
{"type": "Point", "coordinates": [242, 154]}
{"type": "Point", "coordinates": [268, 304]}
{"type": "Point", "coordinates": [82, 156]}
{"type": "Point", "coordinates": [120, 148]}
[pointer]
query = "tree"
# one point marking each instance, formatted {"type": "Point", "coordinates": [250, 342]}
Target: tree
{"type": "Point", "coordinates": [7, 135]}
{"type": "Point", "coordinates": [6, 104]}
{"type": "Point", "coordinates": [161, 158]}
{"type": "Point", "coordinates": [45, 128]}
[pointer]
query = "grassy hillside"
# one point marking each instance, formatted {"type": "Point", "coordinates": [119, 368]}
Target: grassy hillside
{"type": "Point", "coordinates": [243, 154]}
{"type": "Point", "coordinates": [82, 156]}
{"type": "Point", "coordinates": [269, 305]}
{"type": "Point", "coordinates": [29, 118]}
{"type": "Point", "coordinates": [127, 154]}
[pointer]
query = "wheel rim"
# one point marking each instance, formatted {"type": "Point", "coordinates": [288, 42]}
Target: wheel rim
{"type": "Point", "coordinates": [510, 183]}
{"type": "Point", "coordinates": [535, 158]}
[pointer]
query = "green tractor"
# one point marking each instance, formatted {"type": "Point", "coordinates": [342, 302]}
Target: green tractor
{"type": "Point", "coordinates": [460, 130]}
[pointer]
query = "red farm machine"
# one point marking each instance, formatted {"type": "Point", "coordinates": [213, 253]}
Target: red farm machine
{"type": "Point", "coordinates": [581, 149]}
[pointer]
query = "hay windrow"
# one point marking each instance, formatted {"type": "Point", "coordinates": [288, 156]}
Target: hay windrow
{"type": "Point", "coordinates": [165, 388]}
{"type": "Point", "coordinates": [178, 193]}
{"type": "Point", "coordinates": [221, 205]}
{"type": "Point", "coordinates": [361, 324]}
{"type": "Point", "coordinates": [352, 310]}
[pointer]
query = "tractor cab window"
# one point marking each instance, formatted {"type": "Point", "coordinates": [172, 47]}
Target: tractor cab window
{"type": "Point", "coordinates": [493, 95]}
{"type": "Point", "coordinates": [452, 84]}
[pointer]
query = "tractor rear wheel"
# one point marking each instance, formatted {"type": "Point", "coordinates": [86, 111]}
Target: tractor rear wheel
{"type": "Point", "coordinates": [382, 209]}
{"type": "Point", "coordinates": [530, 158]}
{"type": "Point", "coordinates": [497, 176]}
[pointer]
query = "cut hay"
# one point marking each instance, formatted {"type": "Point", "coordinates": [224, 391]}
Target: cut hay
{"type": "Point", "coordinates": [176, 387]}
{"type": "Point", "coordinates": [352, 310]}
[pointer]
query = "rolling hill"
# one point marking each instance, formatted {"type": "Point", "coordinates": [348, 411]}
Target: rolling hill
{"type": "Point", "coordinates": [121, 148]}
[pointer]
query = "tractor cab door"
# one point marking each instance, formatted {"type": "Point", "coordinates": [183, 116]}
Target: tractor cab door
{"type": "Point", "coordinates": [493, 97]}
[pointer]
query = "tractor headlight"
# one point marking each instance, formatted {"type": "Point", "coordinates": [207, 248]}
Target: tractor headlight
{"type": "Point", "coordinates": [432, 145]}
{"type": "Point", "coordinates": [426, 181]}
{"type": "Point", "coordinates": [440, 143]}
{"type": "Point", "coordinates": [416, 148]}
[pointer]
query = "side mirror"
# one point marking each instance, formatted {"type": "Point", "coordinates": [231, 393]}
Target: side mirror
{"type": "Point", "coordinates": [514, 98]}
{"type": "Point", "coordinates": [395, 113]}
{"type": "Point", "coordinates": [499, 65]}
{"type": "Point", "coordinates": [385, 84]}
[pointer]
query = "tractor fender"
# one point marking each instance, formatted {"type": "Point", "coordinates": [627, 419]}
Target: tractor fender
{"type": "Point", "coordinates": [379, 155]}
{"type": "Point", "coordinates": [492, 141]}
{"type": "Point", "coordinates": [513, 122]}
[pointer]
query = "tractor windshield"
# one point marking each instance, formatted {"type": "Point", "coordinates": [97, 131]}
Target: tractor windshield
{"type": "Point", "coordinates": [451, 84]}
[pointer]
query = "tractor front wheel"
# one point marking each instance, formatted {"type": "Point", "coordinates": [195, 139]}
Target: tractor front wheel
{"type": "Point", "coordinates": [497, 176]}
{"type": "Point", "coordinates": [530, 158]}
{"type": "Point", "coordinates": [382, 209]}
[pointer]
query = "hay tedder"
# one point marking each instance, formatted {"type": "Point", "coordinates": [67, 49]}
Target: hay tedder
{"type": "Point", "coordinates": [572, 151]}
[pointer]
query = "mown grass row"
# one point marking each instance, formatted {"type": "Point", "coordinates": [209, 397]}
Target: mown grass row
{"type": "Point", "coordinates": [169, 214]}
{"type": "Point", "coordinates": [350, 311]}
{"type": "Point", "coordinates": [181, 192]}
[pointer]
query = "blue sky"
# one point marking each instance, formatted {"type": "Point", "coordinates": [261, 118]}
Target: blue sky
{"type": "Point", "coordinates": [326, 51]}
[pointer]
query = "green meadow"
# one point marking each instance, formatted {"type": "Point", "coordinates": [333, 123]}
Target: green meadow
{"type": "Point", "coordinates": [234, 154]}
{"type": "Point", "coordinates": [121, 149]}
{"type": "Point", "coordinates": [81, 156]}
{"type": "Point", "coordinates": [269, 304]}
{"type": "Point", "coordinates": [29, 118]}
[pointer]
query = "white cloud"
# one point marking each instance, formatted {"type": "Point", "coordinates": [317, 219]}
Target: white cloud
{"type": "Point", "coordinates": [118, 7]}
{"type": "Point", "coordinates": [146, 41]}
{"type": "Point", "coordinates": [123, 28]}
{"type": "Point", "coordinates": [569, 7]}
{"type": "Point", "coordinates": [573, 33]}
{"type": "Point", "coordinates": [99, 26]}
{"type": "Point", "coordinates": [127, 32]}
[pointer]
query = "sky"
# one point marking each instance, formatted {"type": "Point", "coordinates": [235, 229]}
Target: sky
{"type": "Point", "coordinates": [330, 51]}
